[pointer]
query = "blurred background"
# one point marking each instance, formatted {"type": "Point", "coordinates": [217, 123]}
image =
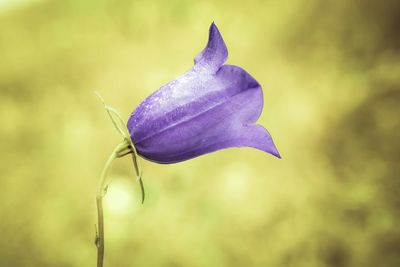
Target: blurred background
{"type": "Point", "coordinates": [330, 72]}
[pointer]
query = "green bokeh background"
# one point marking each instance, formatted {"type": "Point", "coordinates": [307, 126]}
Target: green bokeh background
{"type": "Point", "coordinates": [330, 72]}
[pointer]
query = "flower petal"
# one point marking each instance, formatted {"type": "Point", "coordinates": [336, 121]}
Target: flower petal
{"type": "Point", "coordinates": [208, 108]}
{"type": "Point", "coordinates": [214, 54]}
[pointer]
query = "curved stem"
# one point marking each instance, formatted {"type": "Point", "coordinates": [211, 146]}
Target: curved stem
{"type": "Point", "coordinates": [101, 191]}
{"type": "Point", "coordinates": [123, 149]}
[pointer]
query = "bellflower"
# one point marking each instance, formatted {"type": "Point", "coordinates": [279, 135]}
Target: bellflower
{"type": "Point", "coordinates": [212, 106]}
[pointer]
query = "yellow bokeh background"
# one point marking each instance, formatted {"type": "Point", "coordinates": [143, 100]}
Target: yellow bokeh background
{"type": "Point", "coordinates": [330, 73]}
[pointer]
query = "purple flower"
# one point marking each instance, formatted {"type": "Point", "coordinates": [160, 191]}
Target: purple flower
{"type": "Point", "coordinates": [210, 107]}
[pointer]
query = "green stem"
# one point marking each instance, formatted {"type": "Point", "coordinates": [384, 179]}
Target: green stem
{"type": "Point", "coordinates": [101, 191]}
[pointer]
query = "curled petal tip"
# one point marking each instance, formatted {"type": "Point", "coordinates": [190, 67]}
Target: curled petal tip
{"type": "Point", "coordinates": [258, 137]}
{"type": "Point", "coordinates": [276, 153]}
{"type": "Point", "coordinates": [214, 54]}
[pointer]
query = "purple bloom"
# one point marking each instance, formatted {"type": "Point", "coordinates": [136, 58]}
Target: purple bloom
{"type": "Point", "coordinates": [210, 107]}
